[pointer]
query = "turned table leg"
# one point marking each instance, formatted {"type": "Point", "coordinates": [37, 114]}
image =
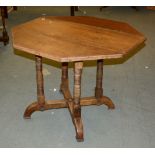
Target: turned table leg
{"type": "Point", "coordinates": [40, 83]}
{"type": "Point", "coordinates": [64, 70]}
{"type": "Point", "coordinates": [76, 97]}
{"type": "Point", "coordinates": [99, 77]}
{"type": "Point", "coordinates": [39, 106]}
{"type": "Point", "coordinates": [99, 90]}
{"type": "Point", "coordinates": [64, 76]}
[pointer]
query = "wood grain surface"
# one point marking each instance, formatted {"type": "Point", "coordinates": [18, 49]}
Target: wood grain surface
{"type": "Point", "coordinates": [66, 39]}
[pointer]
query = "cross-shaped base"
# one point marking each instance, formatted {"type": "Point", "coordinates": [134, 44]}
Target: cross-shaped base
{"type": "Point", "coordinates": [72, 103]}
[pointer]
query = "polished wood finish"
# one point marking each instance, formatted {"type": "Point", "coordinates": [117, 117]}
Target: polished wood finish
{"type": "Point", "coordinates": [76, 39]}
{"type": "Point", "coordinates": [99, 22]}
{"type": "Point", "coordinates": [95, 38]}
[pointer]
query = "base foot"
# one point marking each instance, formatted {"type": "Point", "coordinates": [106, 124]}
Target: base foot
{"type": "Point", "coordinates": [79, 128]}
{"type": "Point", "coordinates": [30, 109]}
{"type": "Point", "coordinates": [107, 101]}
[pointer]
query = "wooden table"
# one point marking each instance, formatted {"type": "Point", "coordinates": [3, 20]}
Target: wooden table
{"type": "Point", "coordinates": [74, 39]}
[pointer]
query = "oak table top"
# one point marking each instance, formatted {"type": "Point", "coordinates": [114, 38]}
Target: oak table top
{"type": "Point", "coordinates": [66, 39]}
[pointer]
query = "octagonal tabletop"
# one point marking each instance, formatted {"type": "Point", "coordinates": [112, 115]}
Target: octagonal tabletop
{"type": "Point", "coordinates": [72, 38]}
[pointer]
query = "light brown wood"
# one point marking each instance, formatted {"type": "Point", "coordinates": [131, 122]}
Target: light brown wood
{"type": "Point", "coordinates": [77, 88]}
{"type": "Point", "coordinates": [78, 66]}
{"type": "Point", "coordinates": [56, 104]}
{"type": "Point", "coordinates": [40, 82]}
{"type": "Point", "coordinates": [99, 22]}
{"type": "Point", "coordinates": [73, 103]}
{"type": "Point", "coordinates": [99, 79]}
{"type": "Point", "coordinates": [67, 39]}
{"type": "Point", "coordinates": [75, 39]}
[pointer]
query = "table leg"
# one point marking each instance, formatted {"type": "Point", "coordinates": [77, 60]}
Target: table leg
{"type": "Point", "coordinates": [99, 90]}
{"type": "Point", "coordinates": [40, 90]}
{"type": "Point", "coordinates": [76, 97]}
{"type": "Point", "coordinates": [99, 77]}
{"type": "Point", "coordinates": [40, 83]}
{"type": "Point", "coordinates": [73, 103]}
{"type": "Point", "coordinates": [64, 76]}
